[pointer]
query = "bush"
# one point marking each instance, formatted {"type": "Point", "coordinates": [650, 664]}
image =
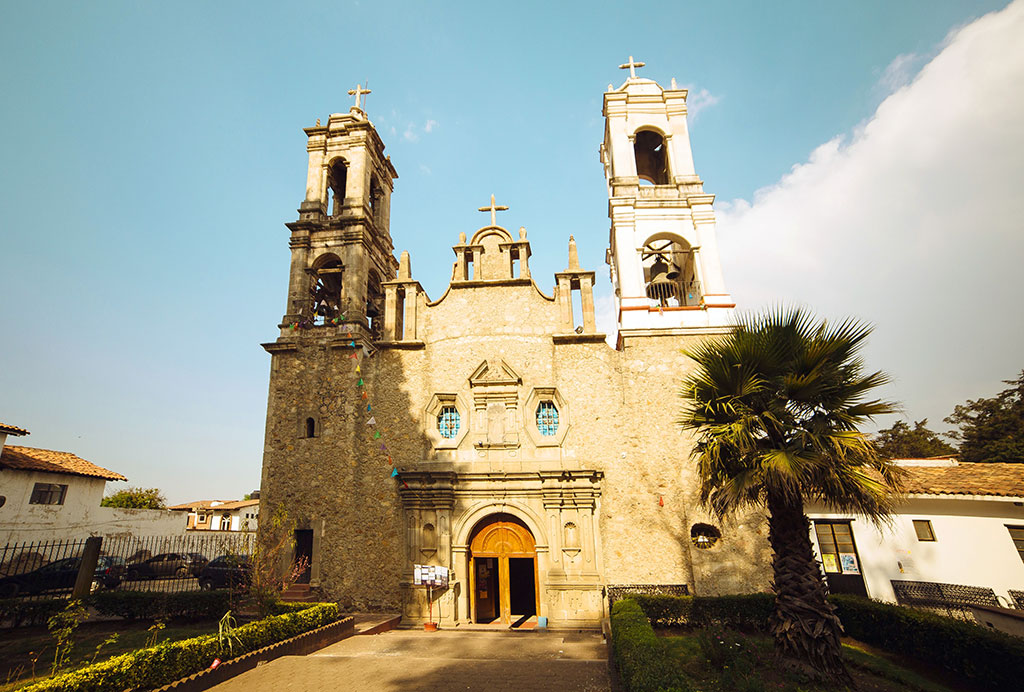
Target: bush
{"type": "Point", "coordinates": [748, 611]}
{"type": "Point", "coordinates": [992, 658]}
{"type": "Point", "coordinates": [170, 661]}
{"type": "Point", "coordinates": [640, 656]}
{"type": "Point", "coordinates": [151, 605]}
{"type": "Point", "coordinates": [21, 612]}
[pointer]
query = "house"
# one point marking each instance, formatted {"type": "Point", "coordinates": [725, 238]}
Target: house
{"type": "Point", "coordinates": [220, 515]}
{"type": "Point", "coordinates": [56, 495]}
{"type": "Point", "coordinates": [957, 539]}
{"type": "Point", "coordinates": [492, 431]}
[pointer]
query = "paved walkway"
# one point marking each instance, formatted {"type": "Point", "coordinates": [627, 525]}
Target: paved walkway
{"type": "Point", "coordinates": [405, 660]}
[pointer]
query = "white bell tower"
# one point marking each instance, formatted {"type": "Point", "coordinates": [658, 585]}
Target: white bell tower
{"type": "Point", "coordinates": [664, 254]}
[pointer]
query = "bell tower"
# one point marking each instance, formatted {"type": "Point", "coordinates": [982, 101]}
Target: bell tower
{"type": "Point", "coordinates": [341, 244]}
{"type": "Point", "coordinates": [663, 250]}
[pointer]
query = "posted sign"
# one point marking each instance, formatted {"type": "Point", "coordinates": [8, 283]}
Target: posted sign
{"type": "Point", "coordinates": [429, 575]}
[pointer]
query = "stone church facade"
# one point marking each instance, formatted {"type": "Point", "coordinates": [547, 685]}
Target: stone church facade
{"type": "Point", "coordinates": [492, 430]}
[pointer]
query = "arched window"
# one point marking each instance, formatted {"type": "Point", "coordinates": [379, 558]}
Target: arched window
{"type": "Point", "coordinates": [670, 272]}
{"type": "Point", "coordinates": [326, 291]}
{"type": "Point", "coordinates": [704, 536]}
{"type": "Point", "coordinates": [651, 161]}
{"type": "Point", "coordinates": [448, 422]}
{"type": "Point", "coordinates": [374, 304]}
{"type": "Point", "coordinates": [547, 418]}
{"type": "Point", "coordinates": [310, 427]}
{"type": "Point", "coordinates": [337, 178]}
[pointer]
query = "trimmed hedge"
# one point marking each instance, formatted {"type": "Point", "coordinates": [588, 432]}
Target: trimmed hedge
{"type": "Point", "coordinates": [992, 658]}
{"type": "Point", "coordinates": [21, 612]}
{"type": "Point", "coordinates": [744, 611]}
{"type": "Point", "coordinates": [170, 661]}
{"type": "Point", "coordinates": [644, 664]}
{"type": "Point", "coordinates": [151, 605]}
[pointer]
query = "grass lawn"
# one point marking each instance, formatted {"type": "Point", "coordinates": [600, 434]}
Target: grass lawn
{"type": "Point", "coordinates": [20, 646]}
{"type": "Point", "coordinates": [720, 660]}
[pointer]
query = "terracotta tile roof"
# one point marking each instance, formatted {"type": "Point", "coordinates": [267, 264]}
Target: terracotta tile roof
{"type": "Point", "coordinates": [31, 459]}
{"type": "Point", "coordinates": [12, 429]}
{"type": "Point", "coordinates": [1003, 480]}
{"type": "Point", "coordinates": [215, 504]}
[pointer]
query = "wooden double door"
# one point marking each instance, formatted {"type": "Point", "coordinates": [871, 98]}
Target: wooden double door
{"type": "Point", "coordinates": [503, 572]}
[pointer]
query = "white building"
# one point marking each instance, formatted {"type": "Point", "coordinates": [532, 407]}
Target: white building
{"type": "Point", "coordinates": [220, 515]}
{"type": "Point", "coordinates": [962, 525]}
{"type": "Point", "coordinates": [49, 495]}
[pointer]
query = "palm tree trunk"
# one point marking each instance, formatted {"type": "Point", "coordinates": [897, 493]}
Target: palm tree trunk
{"type": "Point", "coordinates": [804, 623]}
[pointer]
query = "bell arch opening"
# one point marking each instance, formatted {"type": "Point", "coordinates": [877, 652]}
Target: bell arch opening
{"type": "Point", "coordinates": [503, 578]}
{"type": "Point", "coordinates": [337, 179]}
{"type": "Point", "coordinates": [649, 148]}
{"type": "Point", "coordinates": [326, 289]}
{"type": "Point", "coordinates": [670, 272]}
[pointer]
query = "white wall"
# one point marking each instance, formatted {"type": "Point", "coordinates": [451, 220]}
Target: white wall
{"type": "Point", "coordinates": [79, 517]}
{"type": "Point", "coordinates": [972, 545]}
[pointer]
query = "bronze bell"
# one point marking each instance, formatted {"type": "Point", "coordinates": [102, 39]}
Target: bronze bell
{"type": "Point", "coordinates": [661, 287]}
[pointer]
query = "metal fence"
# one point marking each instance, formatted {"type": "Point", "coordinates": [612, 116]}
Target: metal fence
{"type": "Point", "coordinates": [168, 564]}
{"type": "Point", "coordinates": [953, 600]}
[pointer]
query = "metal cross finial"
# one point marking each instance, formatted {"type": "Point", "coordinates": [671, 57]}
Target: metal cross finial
{"type": "Point", "coordinates": [493, 209]}
{"type": "Point", "coordinates": [358, 92]}
{"type": "Point", "coordinates": [630, 65]}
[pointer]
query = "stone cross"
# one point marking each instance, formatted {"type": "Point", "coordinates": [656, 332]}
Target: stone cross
{"type": "Point", "coordinates": [630, 65]}
{"type": "Point", "coordinates": [358, 92]}
{"type": "Point", "coordinates": [493, 208]}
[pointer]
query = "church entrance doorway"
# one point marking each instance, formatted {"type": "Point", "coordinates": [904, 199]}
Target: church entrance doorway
{"type": "Point", "coordinates": [503, 571]}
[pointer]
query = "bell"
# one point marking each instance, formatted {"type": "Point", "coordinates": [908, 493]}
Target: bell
{"type": "Point", "coordinates": [673, 272]}
{"type": "Point", "coordinates": [661, 288]}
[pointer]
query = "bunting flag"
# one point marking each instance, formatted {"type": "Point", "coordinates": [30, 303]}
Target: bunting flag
{"type": "Point", "coordinates": [380, 430]}
{"type": "Point", "coordinates": [376, 435]}
{"type": "Point", "coordinates": [394, 473]}
{"type": "Point", "coordinates": [364, 395]}
{"type": "Point", "coordinates": [354, 355]}
{"type": "Point", "coordinates": [358, 369]}
{"type": "Point", "coordinates": [360, 384]}
{"type": "Point", "coordinates": [383, 447]}
{"type": "Point", "coordinates": [372, 421]}
{"type": "Point", "coordinates": [368, 408]}
{"type": "Point", "coordinates": [352, 343]}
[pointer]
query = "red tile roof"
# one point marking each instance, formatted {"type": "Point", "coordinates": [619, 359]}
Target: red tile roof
{"type": "Point", "coordinates": [12, 429]}
{"type": "Point", "coordinates": [998, 479]}
{"type": "Point", "coordinates": [31, 459]}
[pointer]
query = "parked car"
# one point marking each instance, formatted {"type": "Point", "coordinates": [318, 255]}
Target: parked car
{"type": "Point", "coordinates": [62, 575]}
{"type": "Point", "coordinates": [226, 572]}
{"type": "Point", "coordinates": [167, 565]}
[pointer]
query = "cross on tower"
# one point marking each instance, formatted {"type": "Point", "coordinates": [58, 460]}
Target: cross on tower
{"type": "Point", "coordinates": [358, 92]}
{"type": "Point", "coordinates": [630, 65]}
{"type": "Point", "coordinates": [493, 208]}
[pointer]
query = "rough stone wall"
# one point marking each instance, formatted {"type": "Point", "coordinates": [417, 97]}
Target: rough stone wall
{"type": "Point", "coordinates": [622, 405]}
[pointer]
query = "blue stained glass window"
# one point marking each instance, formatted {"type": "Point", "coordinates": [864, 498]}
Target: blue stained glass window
{"type": "Point", "coordinates": [448, 422]}
{"type": "Point", "coordinates": [547, 418]}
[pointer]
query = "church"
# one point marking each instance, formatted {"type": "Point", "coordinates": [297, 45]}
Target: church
{"type": "Point", "coordinates": [492, 430]}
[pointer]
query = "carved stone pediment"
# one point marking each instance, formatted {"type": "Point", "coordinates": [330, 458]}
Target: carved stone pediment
{"type": "Point", "coordinates": [492, 373]}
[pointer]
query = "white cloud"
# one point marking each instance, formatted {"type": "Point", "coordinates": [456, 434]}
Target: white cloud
{"type": "Point", "coordinates": [899, 72]}
{"type": "Point", "coordinates": [912, 222]}
{"type": "Point", "coordinates": [410, 133]}
{"type": "Point", "coordinates": [429, 126]}
{"type": "Point", "coordinates": [696, 101]}
{"type": "Point", "coordinates": [425, 169]}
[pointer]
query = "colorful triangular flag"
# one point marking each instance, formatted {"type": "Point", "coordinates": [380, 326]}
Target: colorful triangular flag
{"type": "Point", "coordinates": [360, 382]}
{"type": "Point", "coordinates": [383, 447]}
{"type": "Point", "coordinates": [372, 421]}
{"type": "Point", "coordinates": [376, 435]}
{"type": "Point", "coordinates": [368, 409]}
{"type": "Point", "coordinates": [352, 343]}
{"type": "Point", "coordinates": [353, 356]}
{"type": "Point", "coordinates": [394, 473]}
{"type": "Point", "coordinates": [358, 369]}
{"type": "Point", "coordinates": [364, 394]}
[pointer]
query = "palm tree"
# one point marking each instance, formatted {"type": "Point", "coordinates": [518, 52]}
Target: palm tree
{"type": "Point", "coordinates": [775, 406]}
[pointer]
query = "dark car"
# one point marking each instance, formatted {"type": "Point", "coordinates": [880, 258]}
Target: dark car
{"type": "Point", "coordinates": [226, 572]}
{"type": "Point", "coordinates": [167, 565]}
{"type": "Point", "coordinates": [62, 575]}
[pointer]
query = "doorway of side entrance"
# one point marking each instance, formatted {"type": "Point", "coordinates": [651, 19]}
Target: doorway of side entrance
{"type": "Point", "coordinates": [503, 572]}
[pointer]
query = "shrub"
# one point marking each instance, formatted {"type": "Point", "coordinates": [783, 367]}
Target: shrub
{"type": "Point", "coordinates": [992, 658]}
{"type": "Point", "coordinates": [167, 662]}
{"type": "Point", "coordinates": [21, 612]}
{"type": "Point", "coordinates": [749, 611]}
{"type": "Point", "coordinates": [151, 605]}
{"type": "Point", "coordinates": [642, 660]}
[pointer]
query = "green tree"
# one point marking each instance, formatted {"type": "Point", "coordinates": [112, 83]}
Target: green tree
{"type": "Point", "coordinates": [992, 429]}
{"type": "Point", "coordinates": [136, 498]}
{"type": "Point", "coordinates": [902, 442]}
{"type": "Point", "coordinates": [775, 407]}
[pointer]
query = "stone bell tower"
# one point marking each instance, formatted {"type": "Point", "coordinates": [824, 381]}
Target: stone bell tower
{"type": "Point", "coordinates": [341, 244]}
{"type": "Point", "coordinates": [664, 254]}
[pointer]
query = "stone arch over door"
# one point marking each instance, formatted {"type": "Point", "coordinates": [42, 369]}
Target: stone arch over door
{"type": "Point", "coordinates": [503, 571]}
{"type": "Point", "coordinates": [464, 528]}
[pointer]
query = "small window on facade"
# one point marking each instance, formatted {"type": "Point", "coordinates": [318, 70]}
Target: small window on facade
{"type": "Point", "coordinates": [923, 528]}
{"type": "Point", "coordinates": [448, 422]}
{"type": "Point", "coordinates": [1017, 534]}
{"type": "Point", "coordinates": [704, 536]}
{"type": "Point", "coordinates": [48, 494]}
{"type": "Point", "coordinates": [310, 427]}
{"type": "Point", "coordinates": [547, 418]}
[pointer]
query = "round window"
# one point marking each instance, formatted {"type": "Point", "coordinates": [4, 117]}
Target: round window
{"type": "Point", "coordinates": [704, 536]}
{"type": "Point", "coordinates": [448, 422]}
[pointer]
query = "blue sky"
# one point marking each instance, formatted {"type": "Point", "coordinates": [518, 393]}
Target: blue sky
{"type": "Point", "coordinates": [153, 151]}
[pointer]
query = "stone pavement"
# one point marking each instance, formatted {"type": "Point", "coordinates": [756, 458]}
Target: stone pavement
{"type": "Point", "coordinates": [444, 661]}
